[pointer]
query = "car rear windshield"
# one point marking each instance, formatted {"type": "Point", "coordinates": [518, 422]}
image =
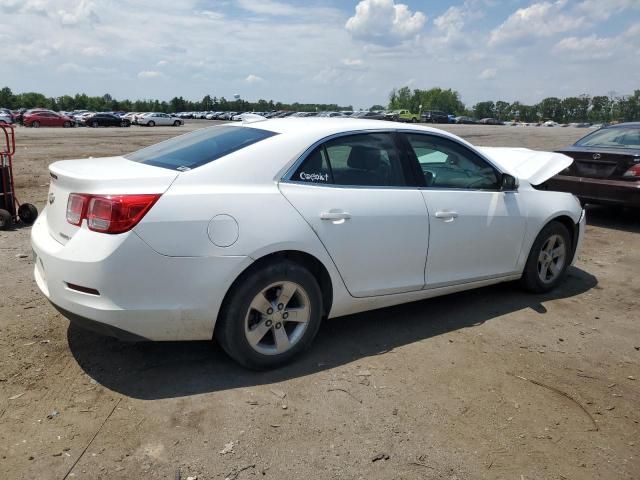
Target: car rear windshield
{"type": "Point", "coordinates": [199, 147]}
{"type": "Point", "coordinates": [615, 137]}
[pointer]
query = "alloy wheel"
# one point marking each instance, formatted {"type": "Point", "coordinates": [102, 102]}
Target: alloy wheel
{"type": "Point", "coordinates": [552, 258]}
{"type": "Point", "coordinates": [277, 318]}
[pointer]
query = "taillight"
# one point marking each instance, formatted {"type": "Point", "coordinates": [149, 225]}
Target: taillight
{"type": "Point", "coordinates": [633, 171]}
{"type": "Point", "coordinates": [75, 208]}
{"type": "Point", "coordinates": [109, 213]}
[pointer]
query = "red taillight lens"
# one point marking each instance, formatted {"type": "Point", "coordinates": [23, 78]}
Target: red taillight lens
{"type": "Point", "coordinates": [633, 171]}
{"type": "Point", "coordinates": [114, 213]}
{"type": "Point", "coordinates": [76, 208]}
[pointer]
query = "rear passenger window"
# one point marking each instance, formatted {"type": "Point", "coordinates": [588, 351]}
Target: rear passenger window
{"type": "Point", "coordinates": [354, 160]}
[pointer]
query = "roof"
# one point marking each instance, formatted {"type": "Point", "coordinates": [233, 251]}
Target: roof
{"type": "Point", "coordinates": [325, 126]}
{"type": "Point", "coordinates": [625, 125]}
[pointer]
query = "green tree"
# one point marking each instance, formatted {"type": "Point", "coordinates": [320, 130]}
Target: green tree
{"type": "Point", "coordinates": [484, 110]}
{"type": "Point", "coordinates": [7, 98]}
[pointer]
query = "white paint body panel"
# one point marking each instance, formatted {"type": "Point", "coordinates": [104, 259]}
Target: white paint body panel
{"type": "Point", "coordinates": [167, 278]}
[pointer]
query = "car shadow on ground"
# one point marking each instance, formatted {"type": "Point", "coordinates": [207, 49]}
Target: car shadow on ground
{"type": "Point", "coordinates": [165, 370]}
{"type": "Point", "coordinates": [618, 218]}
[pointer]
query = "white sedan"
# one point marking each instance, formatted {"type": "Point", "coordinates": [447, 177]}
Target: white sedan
{"type": "Point", "coordinates": [252, 233]}
{"type": "Point", "coordinates": [157, 118]}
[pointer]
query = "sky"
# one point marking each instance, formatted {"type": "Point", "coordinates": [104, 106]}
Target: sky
{"type": "Point", "coordinates": [331, 51]}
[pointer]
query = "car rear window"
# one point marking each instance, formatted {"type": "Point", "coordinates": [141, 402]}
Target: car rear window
{"type": "Point", "coordinates": [199, 147]}
{"type": "Point", "coordinates": [615, 137]}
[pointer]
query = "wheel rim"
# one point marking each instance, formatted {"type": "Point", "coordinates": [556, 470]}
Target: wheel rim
{"type": "Point", "coordinates": [552, 258]}
{"type": "Point", "coordinates": [277, 318]}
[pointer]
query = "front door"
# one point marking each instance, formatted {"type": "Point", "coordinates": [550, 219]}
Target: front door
{"type": "Point", "coordinates": [476, 230]}
{"type": "Point", "coordinates": [354, 193]}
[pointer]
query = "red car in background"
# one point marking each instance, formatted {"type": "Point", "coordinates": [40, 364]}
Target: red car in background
{"type": "Point", "coordinates": [46, 119]}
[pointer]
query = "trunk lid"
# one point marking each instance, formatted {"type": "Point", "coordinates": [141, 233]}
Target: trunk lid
{"type": "Point", "coordinates": [533, 166]}
{"type": "Point", "coordinates": [606, 163]}
{"type": "Point", "coordinates": [100, 176]}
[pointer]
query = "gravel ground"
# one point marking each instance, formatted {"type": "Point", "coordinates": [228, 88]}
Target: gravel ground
{"type": "Point", "coordinates": [493, 383]}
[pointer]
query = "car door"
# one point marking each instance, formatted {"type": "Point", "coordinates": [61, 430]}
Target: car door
{"type": "Point", "coordinates": [355, 192]}
{"type": "Point", "coordinates": [47, 119]}
{"type": "Point", "coordinates": [476, 229]}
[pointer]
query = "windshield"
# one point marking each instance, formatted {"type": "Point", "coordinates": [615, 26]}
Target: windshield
{"type": "Point", "coordinates": [199, 147]}
{"type": "Point", "coordinates": [616, 137]}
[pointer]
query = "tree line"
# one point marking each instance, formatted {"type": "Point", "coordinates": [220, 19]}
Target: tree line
{"type": "Point", "coordinates": [106, 103]}
{"type": "Point", "coordinates": [583, 108]}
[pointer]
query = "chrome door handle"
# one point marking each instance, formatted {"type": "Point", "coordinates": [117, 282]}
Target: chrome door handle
{"type": "Point", "coordinates": [335, 216]}
{"type": "Point", "coordinates": [447, 216]}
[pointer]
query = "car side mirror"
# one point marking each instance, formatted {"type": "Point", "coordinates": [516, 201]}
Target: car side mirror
{"type": "Point", "coordinates": [508, 183]}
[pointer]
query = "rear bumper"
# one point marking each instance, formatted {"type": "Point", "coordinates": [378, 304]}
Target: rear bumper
{"type": "Point", "coordinates": [140, 293]}
{"type": "Point", "coordinates": [616, 192]}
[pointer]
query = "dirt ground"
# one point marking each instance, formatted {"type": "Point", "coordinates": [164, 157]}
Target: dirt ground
{"type": "Point", "coordinates": [493, 383]}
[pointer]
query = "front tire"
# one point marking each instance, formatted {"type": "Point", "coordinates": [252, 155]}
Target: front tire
{"type": "Point", "coordinates": [548, 259]}
{"type": "Point", "coordinates": [270, 315]}
{"type": "Point", "coordinates": [35, 124]}
{"type": "Point", "coordinates": [176, 123]}
{"type": "Point", "coordinates": [151, 123]}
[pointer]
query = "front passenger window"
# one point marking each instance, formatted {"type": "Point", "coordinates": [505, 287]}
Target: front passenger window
{"type": "Point", "coordinates": [447, 164]}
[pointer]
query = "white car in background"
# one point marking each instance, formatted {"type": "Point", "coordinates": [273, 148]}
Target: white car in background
{"type": "Point", "coordinates": [153, 119]}
{"type": "Point", "coordinates": [253, 232]}
{"type": "Point", "coordinates": [6, 118]}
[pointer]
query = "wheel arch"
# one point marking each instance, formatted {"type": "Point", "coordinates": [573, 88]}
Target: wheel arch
{"type": "Point", "coordinates": [315, 266]}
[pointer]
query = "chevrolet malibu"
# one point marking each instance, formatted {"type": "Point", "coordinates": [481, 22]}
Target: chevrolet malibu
{"type": "Point", "coordinates": [252, 233]}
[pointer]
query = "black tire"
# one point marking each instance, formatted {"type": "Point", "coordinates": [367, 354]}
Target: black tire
{"type": "Point", "coordinates": [176, 123]}
{"type": "Point", "coordinates": [66, 124]}
{"type": "Point", "coordinates": [414, 120]}
{"type": "Point", "coordinates": [35, 124]}
{"type": "Point", "coordinates": [6, 220]}
{"type": "Point", "coordinates": [531, 280]}
{"type": "Point", "coordinates": [230, 329]}
{"type": "Point", "coordinates": [95, 124]}
{"type": "Point", "coordinates": [151, 123]}
{"type": "Point", "coordinates": [125, 123]}
{"type": "Point", "coordinates": [27, 213]}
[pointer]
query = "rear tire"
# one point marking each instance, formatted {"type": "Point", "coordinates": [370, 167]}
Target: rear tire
{"type": "Point", "coordinates": [6, 220]}
{"type": "Point", "coordinates": [151, 123]}
{"type": "Point", "coordinates": [252, 326]}
{"type": "Point", "coordinates": [27, 213]}
{"type": "Point", "coordinates": [35, 124]}
{"type": "Point", "coordinates": [176, 123]}
{"type": "Point", "coordinates": [95, 124]}
{"type": "Point", "coordinates": [66, 124]}
{"type": "Point", "coordinates": [548, 259]}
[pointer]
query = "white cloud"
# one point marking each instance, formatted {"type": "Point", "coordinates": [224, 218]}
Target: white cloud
{"type": "Point", "coordinates": [602, 10]}
{"type": "Point", "coordinates": [82, 11]}
{"type": "Point", "coordinates": [541, 19]}
{"type": "Point", "coordinates": [162, 63]}
{"type": "Point", "coordinates": [488, 74]}
{"type": "Point", "coordinates": [384, 22]}
{"type": "Point", "coordinates": [267, 7]}
{"type": "Point", "coordinates": [149, 74]}
{"type": "Point", "coordinates": [352, 62]}
{"type": "Point", "coordinates": [251, 78]}
{"type": "Point", "coordinates": [94, 51]}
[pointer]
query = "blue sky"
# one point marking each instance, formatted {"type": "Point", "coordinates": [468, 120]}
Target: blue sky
{"type": "Point", "coordinates": [348, 52]}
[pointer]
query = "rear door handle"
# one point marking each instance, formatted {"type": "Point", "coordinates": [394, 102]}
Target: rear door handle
{"type": "Point", "coordinates": [335, 216]}
{"type": "Point", "coordinates": [447, 216]}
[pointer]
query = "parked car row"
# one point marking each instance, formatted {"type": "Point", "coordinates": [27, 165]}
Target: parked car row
{"type": "Point", "coordinates": [40, 117]}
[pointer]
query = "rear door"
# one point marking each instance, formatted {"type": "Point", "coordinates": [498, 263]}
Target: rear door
{"type": "Point", "coordinates": [356, 193]}
{"type": "Point", "coordinates": [476, 230]}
